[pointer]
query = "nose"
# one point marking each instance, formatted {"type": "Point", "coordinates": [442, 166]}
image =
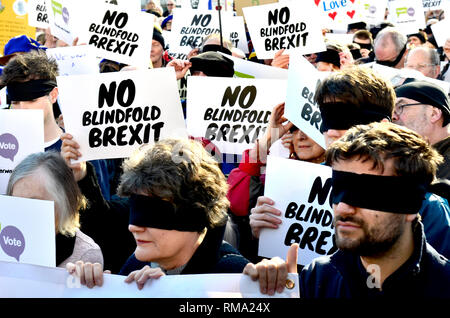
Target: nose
{"type": "Point", "coordinates": [343, 209]}
{"type": "Point", "coordinates": [134, 228]}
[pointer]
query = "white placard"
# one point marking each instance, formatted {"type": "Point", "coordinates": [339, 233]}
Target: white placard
{"type": "Point", "coordinates": [231, 112]}
{"type": "Point", "coordinates": [190, 27]}
{"type": "Point", "coordinates": [434, 4]}
{"type": "Point", "coordinates": [337, 14]}
{"type": "Point", "coordinates": [3, 101]}
{"type": "Point", "coordinates": [75, 60]}
{"type": "Point", "coordinates": [307, 216]}
{"type": "Point", "coordinates": [111, 114]}
{"type": "Point", "coordinates": [300, 107]}
{"type": "Point", "coordinates": [27, 233]}
{"type": "Point", "coordinates": [16, 142]}
{"type": "Point", "coordinates": [235, 29]}
{"type": "Point", "coordinates": [407, 15]}
{"type": "Point", "coordinates": [248, 69]}
{"type": "Point", "coordinates": [118, 33]}
{"type": "Point", "coordinates": [29, 281]}
{"type": "Point", "coordinates": [38, 14]}
{"type": "Point", "coordinates": [373, 11]}
{"type": "Point", "coordinates": [341, 38]}
{"type": "Point", "coordinates": [397, 76]}
{"type": "Point", "coordinates": [62, 17]}
{"type": "Point", "coordinates": [292, 26]}
{"type": "Point", "coordinates": [440, 31]}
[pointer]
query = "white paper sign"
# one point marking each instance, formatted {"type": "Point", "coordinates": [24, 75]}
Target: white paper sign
{"type": "Point", "coordinates": [118, 33]}
{"type": "Point", "coordinates": [337, 14]}
{"type": "Point", "coordinates": [231, 112]}
{"type": "Point", "coordinates": [248, 69]}
{"type": "Point", "coordinates": [62, 17]}
{"type": "Point", "coordinates": [440, 31]}
{"type": "Point", "coordinates": [341, 38]}
{"type": "Point", "coordinates": [407, 15]}
{"type": "Point", "coordinates": [16, 142]}
{"type": "Point", "coordinates": [29, 281]}
{"type": "Point", "coordinates": [27, 233]}
{"type": "Point", "coordinates": [190, 27]}
{"type": "Point", "coordinates": [434, 4]}
{"type": "Point", "coordinates": [75, 60]}
{"type": "Point", "coordinates": [38, 14]}
{"type": "Point", "coordinates": [235, 28]}
{"type": "Point", "coordinates": [111, 114]}
{"type": "Point", "coordinates": [373, 11]}
{"type": "Point", "coordinates": [293, 26]}
{"type": "Point", "coordinates": [307, 216]}
{"type": "Point", "coordinates": [300, 107]}
{"type": "Point", "coordinates": [3, 101]}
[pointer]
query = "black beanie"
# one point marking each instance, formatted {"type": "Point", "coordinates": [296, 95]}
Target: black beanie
{"type": "Point", "coordinates": [157, 36]}
{"type": "Point", "coordinates": [428, 94]}
{"type": "Point", "coordinates": [212, 64]}
{"type": "Point", "coordinates": [418, 35]}
{"type": "Point", "coordinates": [329, 56]}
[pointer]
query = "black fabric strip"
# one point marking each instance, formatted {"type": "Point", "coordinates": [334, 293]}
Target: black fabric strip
{"type": "Point", "coordinates": [30, 90]}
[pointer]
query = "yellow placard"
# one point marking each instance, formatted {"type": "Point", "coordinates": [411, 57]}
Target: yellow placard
{"type": "Point", "coordinates": [14, 21]}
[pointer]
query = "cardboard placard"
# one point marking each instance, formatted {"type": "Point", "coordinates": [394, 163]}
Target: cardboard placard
{"type": "Point", "coordinates": [38, 14]}
{"type": "Point", "coordinates": [248, 69]}
{"type": "Point", "coordinates": [231, 112]}
{"type": "Point", "coordinates": [63, 18]}
{"type": "Point", "coordinates": [27, 233]}
{"type": "Point", "coordinates": [111, 114]}
{"type": "Point", "coordinates": [294, 26]}
{"type": "Point", "coordinates": [307, 216]}
{"type": "Point", "coordinates": [337, 14]}
{"type": "Point", "coordinates": [24, 281]}
{"type": "Point", "coordinates": [21, 134]}
{"type": "Point", "coordinates": [434, 4]}
{"type": "Point", "coordinates": [118, 33]}
{"type": "Point", "coordinates": [300, 107]}
{"type": "Point", "coordinates": [373, 11]}
{"type": "Point", "coordinates": [440, 31]}
{"type": "Point", "coordinates": [75, 60]}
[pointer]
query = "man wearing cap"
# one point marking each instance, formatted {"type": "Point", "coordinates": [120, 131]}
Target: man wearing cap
{"type": "Point", "coordinates": [211, 64]}
{"type": "Point", "coordinates": [383, 251]}
{"type": "Point", "coordinates": [17, 45]}
{"type": "Point", "coordinates": [157, 55]}
{"type": "Point", "coordinates": [425, 108]}
{"type": "Point", "coordinates": [416, 39]}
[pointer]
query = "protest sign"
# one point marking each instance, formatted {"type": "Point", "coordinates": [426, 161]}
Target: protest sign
{"type": "Point", "coordinates": [292, 26]}
{"type": "Point", "coordinates": [440, 31]}
{"type": "Point", "coordinates": [111, 114]}
{"type": "Point", "coordinates": [373, 11]}
{"type": "Point", "coordinates": [248, 69]}
{"type": "Point", "coordinates": [37, 14]}
{"type": "Point", "coordinates": [301, 191]}
{"type": "Point", "coordinates": [434, 4]}
{"type": "Point", "coordinates": [21, 134]}
{"type": "Point", "coordinates": [27, 231]}
{"type": "Point", "coordinates": [75, 60]}
{"type": "Point", "coordinates": [407, 15]}
{"type": "Point", "coordinates": [190, 27]}
{"type": "Point", "coordinates": [341, 38]}
{"type": "Point", "coordinates": [62, 17]}
{"type": "Point", "coordinates": [240, 4]}
{"type": "Point", "coordinates": [300, 108]}
{"type": "Point", "coordinates": [337, 14]}
{"type": "Point", "coordinates": [231, 112]}
{"type": "Point", "coordinates": [118, 33]}
{"type": "Point", "coordinates": [235, 28]}
{"type": "Point", "coordinates": [14, 21]}
{"type": "Point", "coordinates": [30, 281]}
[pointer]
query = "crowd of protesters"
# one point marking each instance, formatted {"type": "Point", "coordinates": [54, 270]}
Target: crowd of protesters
{"type": "Point", "coordinates": [146, 216]}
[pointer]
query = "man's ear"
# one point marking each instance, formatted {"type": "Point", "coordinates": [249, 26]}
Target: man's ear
{"type": "Point", "coordinates": [436, 115]}
{"type": "Point", "coordinates": [54, 95]}
{"type": "Point", "coordinates": [411, 217]}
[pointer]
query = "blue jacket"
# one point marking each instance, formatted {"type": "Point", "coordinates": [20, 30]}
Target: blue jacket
{"type": "Point", "coordinates": [435, 213]}
{"type": "Point", "coordinates": [425, 274]}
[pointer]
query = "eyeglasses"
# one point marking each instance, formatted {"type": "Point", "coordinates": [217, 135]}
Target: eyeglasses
{"type": "Point", "coordinates": [399, 108]}
{"type": "Point", "coordinates": [419, 66]}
